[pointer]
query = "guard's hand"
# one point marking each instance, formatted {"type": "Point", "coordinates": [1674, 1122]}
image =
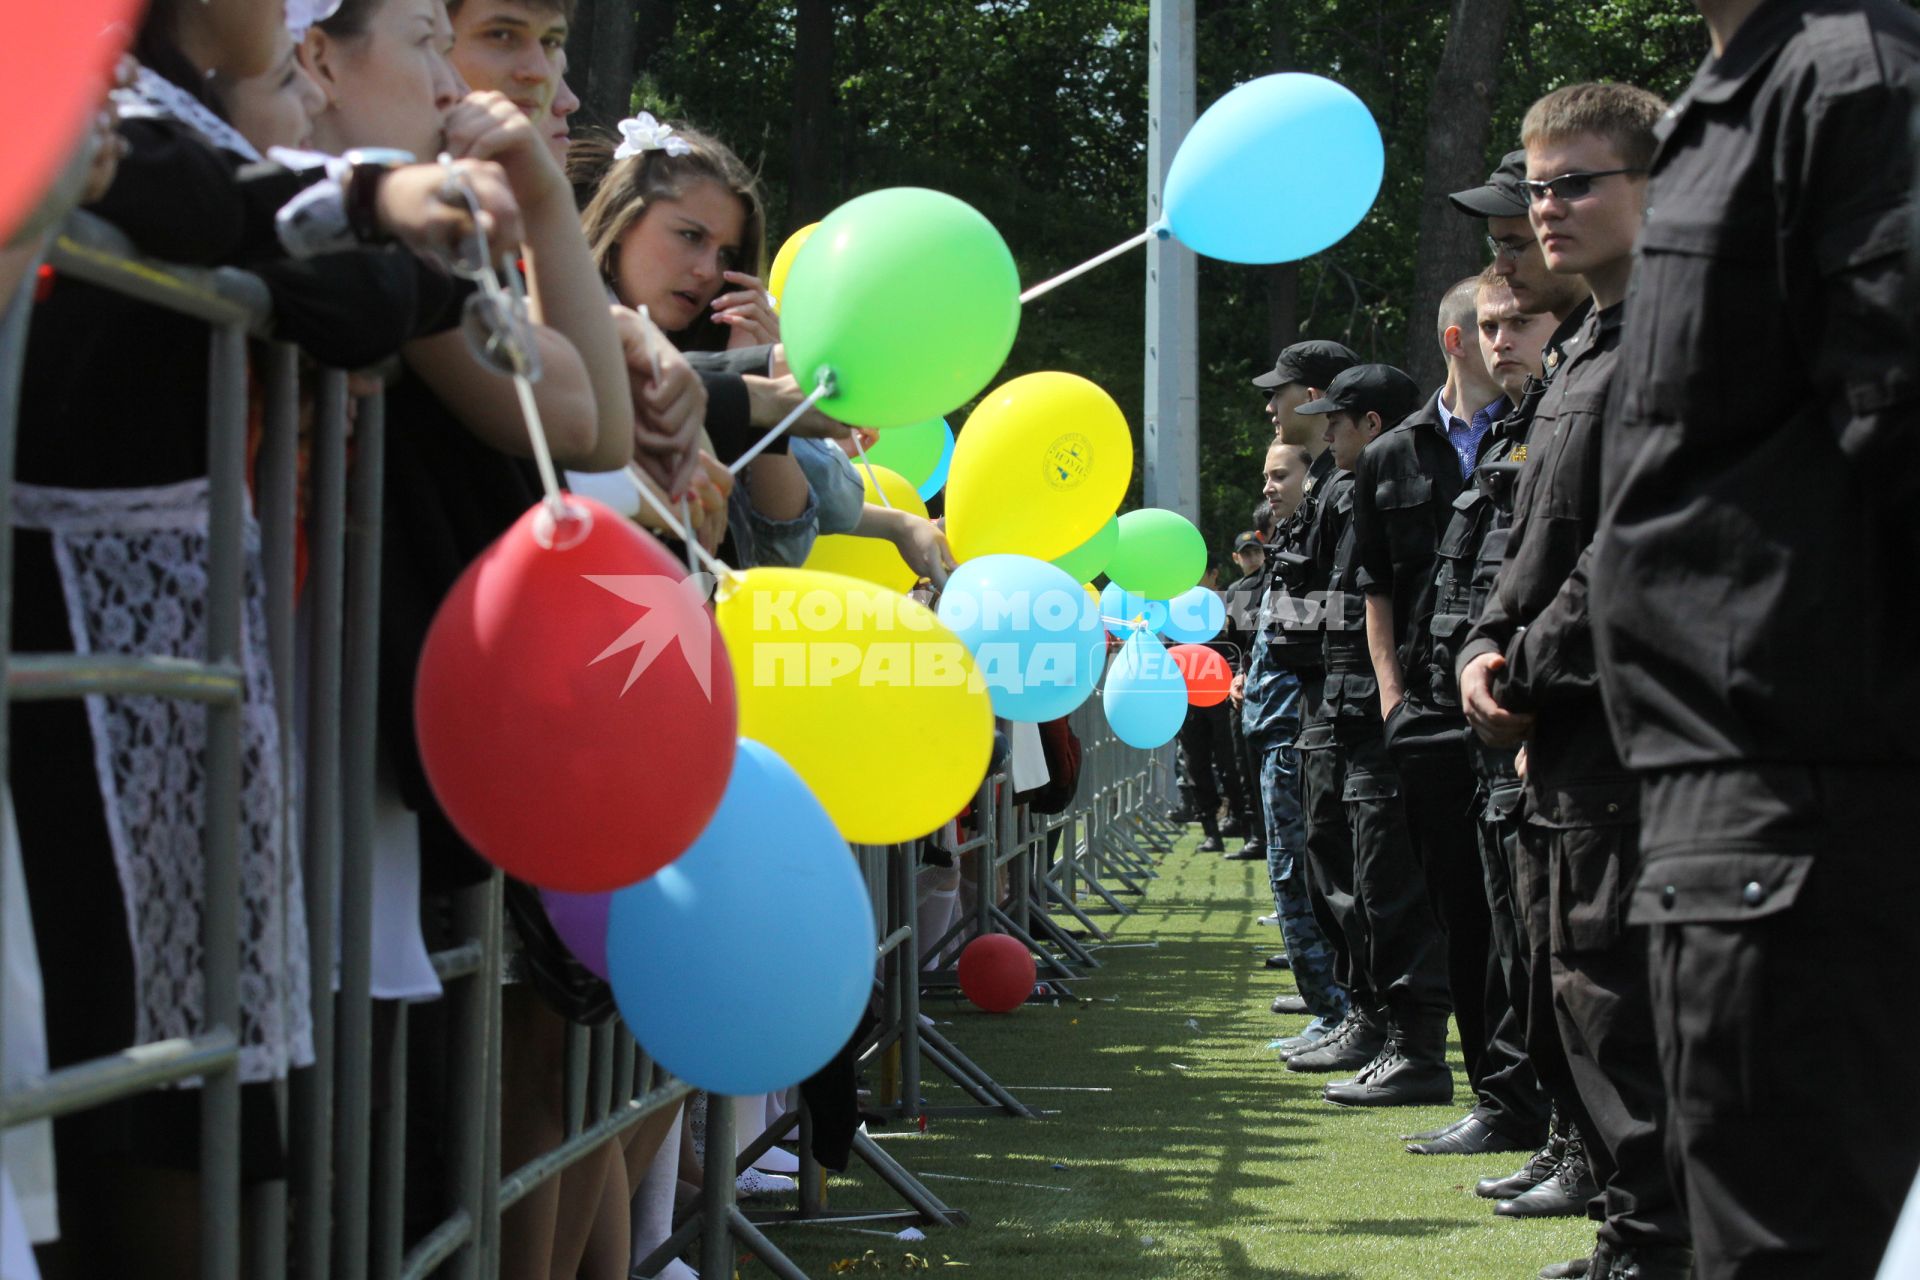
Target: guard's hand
{"type": "Point", "coordinates": [1497, 726]}
{"type": "Point", "coordinates": [1520, 762]}
{"type": "Point", "coordinates": [1238, 690]}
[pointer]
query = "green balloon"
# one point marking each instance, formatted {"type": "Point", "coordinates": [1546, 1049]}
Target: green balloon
{"type": "Point", "coordinates": [909, 297]}
{"type": "Point", "coordinates": [1158, 554]}
{"type": "Point", "coordinates": [1085, 561]}
{"type": "Point", "coordinates": [914, 452]}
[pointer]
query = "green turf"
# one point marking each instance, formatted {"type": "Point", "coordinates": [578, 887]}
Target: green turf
{"type": "Point", "coordinates": [1207, 1158]}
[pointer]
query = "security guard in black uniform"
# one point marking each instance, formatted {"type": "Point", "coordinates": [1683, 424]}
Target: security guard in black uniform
{"type": "Point", "coordinates": [1528, 670]}
{"type": "Point", "coordinates": [1404, 955]}
{"type": "Point", "coordinates": [1753, 581]}
{"type": "Point", "coordinates": [1243, 597]}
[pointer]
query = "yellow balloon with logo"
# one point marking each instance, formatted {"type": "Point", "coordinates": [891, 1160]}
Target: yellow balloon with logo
{"type": "Point", "coordinates": [867, 694]}
{"type": "Point", "coordinates": [871, 559]}
{"type": "Point", "coordinates": [1042, 464]}
{"type": "Point", "coordinates": [783, 261]}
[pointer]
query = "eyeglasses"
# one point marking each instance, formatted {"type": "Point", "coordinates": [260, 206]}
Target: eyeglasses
{"type": "Point", "coordinates": [1569, 186]}
{"type": "Point", "coordinates": [1512, 249]}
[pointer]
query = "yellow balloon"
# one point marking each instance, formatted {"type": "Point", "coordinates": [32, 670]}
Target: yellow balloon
{"type": "Point", "coordinates": [871, 699]}
{"type": "Point", "coordinates": [1043, 463]}
{"type": "Point", "coordinates": [871, 559]}
{"type": "Point", "coordinates": [783, 261]}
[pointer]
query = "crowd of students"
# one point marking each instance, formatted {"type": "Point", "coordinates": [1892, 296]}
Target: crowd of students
{"type": "Point", "coordinates": [353, 154]}
{"type": "Point", "coordinates": [1572, 691]}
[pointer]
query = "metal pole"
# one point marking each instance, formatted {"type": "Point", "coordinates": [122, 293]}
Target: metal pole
{"type": "Point", "coordinates": [220, 839]}
{"type": "Point", "coordinates": [716, 1190]}
{"type": "Point", "coordinates": [1171, 426]}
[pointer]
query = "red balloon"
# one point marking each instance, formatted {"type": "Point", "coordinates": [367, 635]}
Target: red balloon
{"type": "Point", "coordinates": [574, 704]}
{"type": "Point", "coordinates": [996, 973]}
{"type": "Point", "coordinates": [1209, 678]}
{"type": "Point", "coordinates": [55, 67]}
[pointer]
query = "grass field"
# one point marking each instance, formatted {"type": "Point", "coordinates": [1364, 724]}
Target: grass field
{"type": "Point", "coordinates": [1181, 1147]}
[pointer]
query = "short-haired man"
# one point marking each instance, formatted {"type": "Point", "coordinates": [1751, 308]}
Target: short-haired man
{"type": "Point", "coordinates": [1404, 488]}
{"type": "Point", "coordinates": [1528, 672]}
{"type": "Point", "coordinates": [515, 47]}
{"type": "Point", "coordinates": [1395, 1038]}
{"type": "Point", "coordinates": [1751, 585]}
{"type": "Point", "coordinates": [1270, 724]}
{"type": "Point", "coordinates": [1299, 374]}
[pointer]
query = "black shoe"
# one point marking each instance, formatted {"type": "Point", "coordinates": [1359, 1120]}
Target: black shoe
{"type": "Point", "coordinates": [1279, 961]}
{"type": "Point", "coordinates": [1248, 853]}
{"type": "Point", "coordinates": [1653, 1262]}
{"type": "Point", "coordinates": [1527, 1176]}
{"type": "Point", "coordinates": [1353, 1044]}
{"type": "Point", "coordinates": [1571, 1269]}
{"type": "Point", "coordinates": [1563, 1195]}
{"type": "Point", "coordinates": [1210, 845]}
{"type": "Point", "coordinates": [1430, 1134]}
{"type": "Point", "coordinates": [1471, 1137]}
{"type": "Point", "coordinates": [1394, 1080]}
{"type": "Point", "coordinates": [1230, 827]}
{"type": "Point", "coordinates": [1290, 1004]}
{"type": "Point", "coordinates": [1180, 816]}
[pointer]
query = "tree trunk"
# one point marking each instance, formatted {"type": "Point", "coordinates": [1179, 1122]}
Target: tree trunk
{"type": "Point", "coordinates": [1459, 114]}
{"type": "Point", "coordinates": [608, 91]}
{"type": "Point", "coordinates": [810, 192]}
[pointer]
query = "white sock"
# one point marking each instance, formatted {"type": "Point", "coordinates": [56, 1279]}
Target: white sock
{"type": "Point", "coordinates": [932, 920]}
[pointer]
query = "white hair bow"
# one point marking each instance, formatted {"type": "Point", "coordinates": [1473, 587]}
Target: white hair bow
{"type": "Point", "coordinates": [302, 14]}
{"type": "Point", "coordinates": [643, 133]}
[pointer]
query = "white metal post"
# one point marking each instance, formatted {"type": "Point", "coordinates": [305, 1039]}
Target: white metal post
{"type": "Point", "coordinates": [1171, 427]}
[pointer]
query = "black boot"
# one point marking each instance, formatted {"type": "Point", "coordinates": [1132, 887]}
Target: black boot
{"type": "Point", "coordinates": [1353, 1044]}
{"type": "Point", "coordinates": [1527, 1176]}
{"type": "Point", "coordinates": [1411, 1071]}
{"type": "Point", "coordinates": [1563, 1195]}
{"type": "Point", "coordinates": [1595, 1265]}
{"type": "Point", "coordinates": [1652, 1262]}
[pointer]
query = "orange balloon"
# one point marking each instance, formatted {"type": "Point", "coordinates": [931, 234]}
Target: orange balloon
{"type": "Point", "coordinates": [1209, 678]}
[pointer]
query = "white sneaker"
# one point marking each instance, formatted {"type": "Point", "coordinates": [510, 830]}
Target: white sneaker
{"type": "Point", "coordinates": [778, 1160]}
{"type": "Point", "coordinates": [755, 1183]}
{"type": "Point", "coordinates": [1272, 919]}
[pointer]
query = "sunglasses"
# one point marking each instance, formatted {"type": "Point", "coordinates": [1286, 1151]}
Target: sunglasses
{"type": "Point", "coordinates": [1569, 186]}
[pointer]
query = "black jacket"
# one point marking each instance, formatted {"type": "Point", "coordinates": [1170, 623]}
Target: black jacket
{"type": "Point", "coordinates": [1538, 613]}
{"type": "Point", "coordinates": [1403, 491]}
{"type": "Point", "coordinates": [1755, 575]}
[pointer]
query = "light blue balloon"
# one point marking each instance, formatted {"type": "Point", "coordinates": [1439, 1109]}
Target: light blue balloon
{"type": "Point", "coordinates": [1279, 169]}
{"type": "Point", "coordinates": [1145, 694]}
{"type": "Point", "coordinates": [1035, 635]}
{"type": "Point", "coordinates": [688, 949]}
{"type": "Point", "coordinates": [1195, 616]}
{"type": "Point", "coordinates": [938, 480]}
{"type": "Point", "coordinates": [1119, 607]}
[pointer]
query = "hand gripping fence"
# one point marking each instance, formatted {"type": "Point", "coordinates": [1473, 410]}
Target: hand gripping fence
{"type": "Point", "coordinates": [340, 1212]}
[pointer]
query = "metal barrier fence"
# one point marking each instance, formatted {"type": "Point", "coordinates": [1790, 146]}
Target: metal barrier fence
{"type": "Point", "coordinates": [340, 1211]}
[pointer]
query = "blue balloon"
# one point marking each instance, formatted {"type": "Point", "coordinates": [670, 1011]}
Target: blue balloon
{"type": "Point", "coordinates": [688, 949]}
{"type": "Point", "coordinates": [938, 480]}
{"type": "Point", "coordinates": [1120, 608]}
{"type": "Point", "coordinates": [1279, 169]}
{"type": "Point", "coordinates": [1195, 616]}
{"type": "Point", "coordinates": [1035, 635]}
{"type": "Point", "coordinates": [1145, 694]}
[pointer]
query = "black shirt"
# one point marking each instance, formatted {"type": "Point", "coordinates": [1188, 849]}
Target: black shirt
{"type": "Point", "coordinates": [1351, 692]}
{"type": "Point", "coordinates": [1403, 491]}
{"type": "Point", "coordinates": [1538, 615]}
{"type": "Point", "coordinates": [1755, 574]}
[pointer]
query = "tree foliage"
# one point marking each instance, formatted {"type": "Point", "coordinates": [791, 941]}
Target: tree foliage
{"type": "Point", "coordinates": [1035, 112]}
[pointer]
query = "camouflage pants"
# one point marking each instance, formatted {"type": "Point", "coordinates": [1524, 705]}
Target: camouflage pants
{"type": "Point", "coordinates": [1308, 950]}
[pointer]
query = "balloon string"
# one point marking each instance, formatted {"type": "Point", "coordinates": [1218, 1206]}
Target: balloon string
{"type": "Point", "coordinates": [1132, 624]}
{"type": "Point", "coordinates": [820, 391]}
{"type": "Point", "coordinates": [718, 568]}
{"type": "Point", "coordinates": [872, 479]}
{"type": "Point", "coordinates": [1074, 273]}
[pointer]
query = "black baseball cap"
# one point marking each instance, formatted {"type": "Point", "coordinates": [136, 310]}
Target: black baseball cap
{"type": "Point", "coordinates": [1314, 364]}
{"type": "Point", "coordinates": [1502, 196]}
{"type": "Point", "coordinates": [1369, 388]}
{"type": "Point", "coordinates": [1247, 539]}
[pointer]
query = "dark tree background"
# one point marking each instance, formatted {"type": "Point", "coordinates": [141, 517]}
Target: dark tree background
{"type": "Point", "coordinates": [1034, 111]}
